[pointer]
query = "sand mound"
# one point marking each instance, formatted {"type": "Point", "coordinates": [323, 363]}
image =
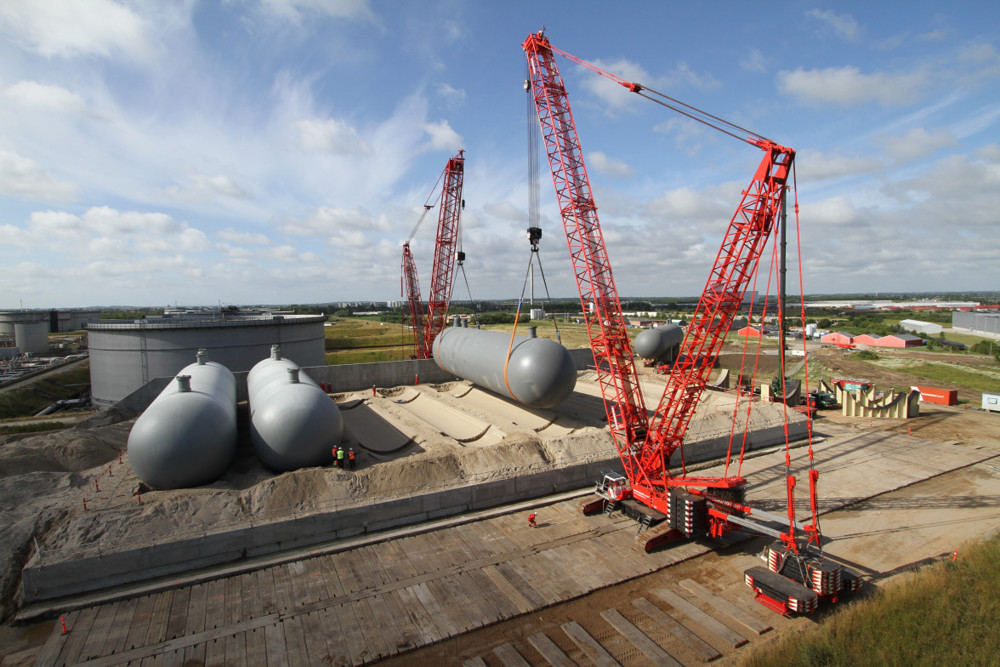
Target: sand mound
{"type": "Point", "coordinates": [69, 451]}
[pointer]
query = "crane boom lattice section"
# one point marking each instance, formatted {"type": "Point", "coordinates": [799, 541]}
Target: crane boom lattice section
{"type": "Point", "coordinates": [734, 268]}
{"type": "Point", "coordinates": [411, 287]}
{"type": "Point", "coordinates": [443, 270]}
{"type": "Point", "coordinates": [616, 371]}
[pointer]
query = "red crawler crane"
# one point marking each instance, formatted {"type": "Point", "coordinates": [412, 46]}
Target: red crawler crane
{"type": "Point", "coordinates": [676, 504]}
{"type": "Point", "coordinates": [426, 328]}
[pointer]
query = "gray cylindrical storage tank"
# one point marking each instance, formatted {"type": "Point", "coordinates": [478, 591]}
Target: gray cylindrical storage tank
{"type": "Point", "coordinates": [32, 337]}
{"type": "Point", "coordinates": [124, 356]}
{"type": "Point", "coordinates": [659, 343]}
{"type": "Point", "coordinates": [187, 435]}
{"type": "Point", "coordinates": [541, 372]}
{"type": "Point", "coordinates": [293, 423]}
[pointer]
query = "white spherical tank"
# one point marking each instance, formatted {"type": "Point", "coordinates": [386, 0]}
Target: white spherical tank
{"type": "Point", "coordinates": [539, 372]}
{"type": "Point", "coordinates": [187, 435]}
{"type": "Point", "coordinates": [293, 423]}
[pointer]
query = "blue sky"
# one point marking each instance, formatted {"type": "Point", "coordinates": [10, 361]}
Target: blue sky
{"type": "Point", "coordinates": [280, 151]}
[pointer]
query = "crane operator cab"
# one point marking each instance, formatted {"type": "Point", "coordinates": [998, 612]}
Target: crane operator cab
{"type": "Point", "coordinates": [612, 487]}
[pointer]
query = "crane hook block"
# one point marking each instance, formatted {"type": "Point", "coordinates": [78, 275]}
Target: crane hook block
{"type": "Point", "coordinates": [534, 235]}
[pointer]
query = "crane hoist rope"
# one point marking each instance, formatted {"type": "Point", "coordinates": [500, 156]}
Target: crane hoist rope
{"type": "Point", "coordinates": [534, 230]}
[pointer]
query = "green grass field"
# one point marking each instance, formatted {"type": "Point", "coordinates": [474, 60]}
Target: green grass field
{"type": "Point", "coordinates": [29, 399]}
{"type": "Point", "coordinates": [357, 341]}
{"type": "Point", "coordinates": [983, 379]}
{"type": "Point", "coordinates": [942, 615]}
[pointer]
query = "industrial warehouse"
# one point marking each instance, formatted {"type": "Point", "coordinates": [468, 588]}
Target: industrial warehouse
{"type": "Point", "coordinates": [666, 496]}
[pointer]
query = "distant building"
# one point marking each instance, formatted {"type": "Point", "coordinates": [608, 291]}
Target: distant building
{"type": "Point", "coordinates": [837, 338]}
{"type": "Point", "coordinates": [900, 340]}
{"type": "Point", "coordinates": [986, 324]}
{"type": "Point", "coordinates": [866, 339]}
{"type": "Point", "coordinates": [916, 326]}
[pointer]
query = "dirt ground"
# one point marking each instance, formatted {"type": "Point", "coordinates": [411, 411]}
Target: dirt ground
{"type": "Point", "coordinates": [72, 490]}
{"type": "Point", "coordinates": [923, 521]}
{"type": "Point", "coordinates": [842, 362]}
{"type": "Point", "coordinates": [44, 477]}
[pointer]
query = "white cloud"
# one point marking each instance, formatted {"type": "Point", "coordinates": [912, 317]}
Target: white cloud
{"type": "Point", "coordinates": [607, 165]}
{"type": "Point", "coordinates": [843, 25]}
{"type": "Point", "coordinates": [330, 136]}
{"type": "Point", "coordinates": [848, 86]}
{"type": "Point", "coordinates": [711, 206]}
{"type": "Point", "coordinates": [613, 94]}
{"type": "Point", "coordinates": [688, 134]}
{"type": "Point", "coordinates": [106, 220]}
{"type": "Point", "coordinates": [187, 239]}
{"type": "Point", "coordinates": [68, 28]}
{"type": "Point", "coordinates": [442, 137]}
{"type": "Point", "coordinates": [754, 61]}
{"type": "Point", "coordinates": [990, 153]}
{"type": "Point", "coordinates": [295, 10]}
{"type": "Point", "coordinates": [816, 166]}
{"type": "Point", "coordinates": [915, 144]}
{"type": "Point", "coordinates": [55, 224]}
{"type": "Point", "coordinates": [246, 238]}
{"type": "Point", "coordinates": [105, 231]}
{"type": "Point", "coordinates": [200, 187]}
{"type": "Point", "coordinates": [836, 211]}
{"type": "Point", "coordinates": [453, 97]}
{"type": "Point", "coordinates": [329, 222]}
{"type": "Point", "coordinates": [617, 97]}
{"type": "Point", "coordinates": [39, 95]}
{"type": "Point", "coordinates": [25, 178]}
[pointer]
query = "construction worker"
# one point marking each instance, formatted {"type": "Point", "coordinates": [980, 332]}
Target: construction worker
{"type": "Point", "coordinates": [531, 521]}
{"type": "Point", "coordinates": [333, 453]}
{"type": "Point", "coordinates": [340, 457]}
{"type": "Point", "coordinates": [350, 457]}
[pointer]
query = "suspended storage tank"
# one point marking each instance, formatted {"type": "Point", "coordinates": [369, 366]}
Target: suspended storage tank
{"type": "Point", "coordinates": [540, 372]}
{"type": "Point", "coordinates": [293, 423]}
{"type": "Point", "coordinates": [187, 435]}
{"type": "Point", "coordinates": [660, 343]}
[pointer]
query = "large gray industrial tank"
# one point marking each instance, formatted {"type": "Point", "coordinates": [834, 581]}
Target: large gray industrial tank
{"type": "Point", "coordinates": [187, 435]}
{"type": "Point", "coordinates": [293, 423]}
{"type": "Point", "coordinates": [541, 372]}
{"type": "Point", "coordinates": [660, 343]}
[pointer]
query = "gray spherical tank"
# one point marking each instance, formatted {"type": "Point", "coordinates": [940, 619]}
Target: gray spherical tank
{"type": "Point", "coordinates": [540, 373]}
{"type": "Point", "coordinates": [187, 435]}
{"type": "Point", "coordinates": [293, 423]}
{"type": "Point", "coordinates": [659, 343]}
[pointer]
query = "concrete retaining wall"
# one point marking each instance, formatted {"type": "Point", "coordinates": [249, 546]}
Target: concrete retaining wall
{"type": "Point", "coordinates": [344, 378]}
{"type": "Point", "coordinates": [48, 580]}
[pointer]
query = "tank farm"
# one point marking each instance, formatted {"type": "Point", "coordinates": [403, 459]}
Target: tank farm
{"type": "Point", "coordinates": [496, 499]}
